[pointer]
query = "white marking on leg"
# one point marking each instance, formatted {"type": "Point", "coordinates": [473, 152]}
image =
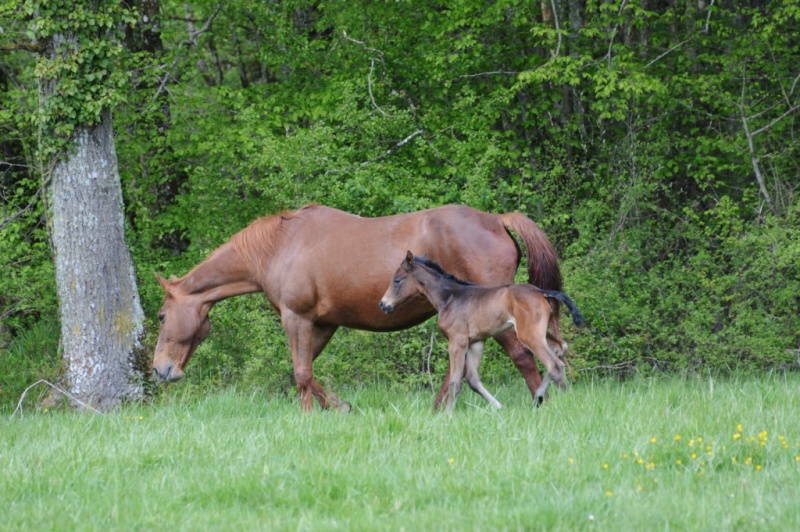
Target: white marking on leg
{"type": "Point", "coordinates": [541, 391]}
{"type": "Point", "coordinates": [472, 374]}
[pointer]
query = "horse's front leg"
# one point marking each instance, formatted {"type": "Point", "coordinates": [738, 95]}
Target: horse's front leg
{"type": "Point", "coordinates": [320, 338]}
{"type": "Point", "coordinates": [306, 342]}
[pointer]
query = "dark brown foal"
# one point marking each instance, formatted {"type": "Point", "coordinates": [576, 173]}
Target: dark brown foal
{"type": "Point", "coordinates": [469, 314]}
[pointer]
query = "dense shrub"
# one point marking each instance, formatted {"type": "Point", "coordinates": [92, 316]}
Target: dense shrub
{"type": "Point", "coordinates": [656, 143]}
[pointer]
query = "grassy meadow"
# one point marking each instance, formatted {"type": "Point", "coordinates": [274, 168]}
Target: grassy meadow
{"type": "Point", "coordinates": [671, 453]}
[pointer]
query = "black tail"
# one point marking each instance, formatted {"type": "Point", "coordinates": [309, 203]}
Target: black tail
{"type": "Point", "coordinates": [577, 319]}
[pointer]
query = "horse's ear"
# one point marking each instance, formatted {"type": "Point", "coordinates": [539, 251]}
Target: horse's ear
{"type": "Point", "coordinates": [163, 282]}
{"type": "Point", "coordinates": [409, 262]}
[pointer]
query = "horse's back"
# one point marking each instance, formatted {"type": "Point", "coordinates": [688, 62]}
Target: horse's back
{"type": "Point", "coordinates": [468, 243]}
{"type": "Point", "coordinates": [335, 266]}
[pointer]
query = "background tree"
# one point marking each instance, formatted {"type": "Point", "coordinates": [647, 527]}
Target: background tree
{"type": "Point", "coordinates": [102, 323]}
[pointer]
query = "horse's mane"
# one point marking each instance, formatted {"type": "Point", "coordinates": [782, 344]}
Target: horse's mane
{"type": "Point", "coordinates": [261, 238]}
{"type": "Point", "coordinates": [433, 265]}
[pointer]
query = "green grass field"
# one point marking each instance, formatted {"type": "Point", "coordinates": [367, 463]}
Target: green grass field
{"type": "Point", "coordinates": [646, 454]}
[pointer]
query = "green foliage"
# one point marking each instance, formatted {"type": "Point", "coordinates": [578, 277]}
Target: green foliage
{"type": "Point", "coordinates": [80, 69]}
{"type": "Point", "coordinates": [27, 284]}
{"type": "Point", "coordinates": [656, 143]}
{"type": "Point", "coordinates": [32, 355]}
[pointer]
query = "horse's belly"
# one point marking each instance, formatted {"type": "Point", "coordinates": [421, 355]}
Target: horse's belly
{"type": "Point", "coordinates": [365, 317]}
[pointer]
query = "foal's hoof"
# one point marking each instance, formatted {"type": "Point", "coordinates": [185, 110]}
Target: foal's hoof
{"type": "Point", "coordinates": [538, 401]}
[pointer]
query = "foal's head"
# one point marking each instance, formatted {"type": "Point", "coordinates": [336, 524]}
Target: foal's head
{"type": "Point", "coordinates": [409, 278]}
{"type": "Point", "coordinates": [184, 323]}
{"type": "Point", "coordinates": [403, 285]}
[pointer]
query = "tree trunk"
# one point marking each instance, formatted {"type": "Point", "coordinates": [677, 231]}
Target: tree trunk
{"type": "Point", "coordinates": [102, 322]}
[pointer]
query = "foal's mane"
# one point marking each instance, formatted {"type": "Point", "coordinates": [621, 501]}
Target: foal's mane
{"type": "Point", "coordinates": [433, 265]}
{"type": "Point", "coordinates": [263, 236]}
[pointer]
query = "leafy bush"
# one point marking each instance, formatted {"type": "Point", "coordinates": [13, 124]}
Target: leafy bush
{"type": "Point", "coordinates": [31, 355]}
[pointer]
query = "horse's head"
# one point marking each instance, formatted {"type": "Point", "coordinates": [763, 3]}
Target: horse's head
{"type": "Point", "coordinates": [183, 325]}
{"type": "Point", "coordinates": [401, 288]}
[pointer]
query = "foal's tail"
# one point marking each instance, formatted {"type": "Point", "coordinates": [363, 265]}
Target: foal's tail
{"type": "Point", "coordinates": [543, 269]}
{"type": "Point", "coordinates": [577, 319]}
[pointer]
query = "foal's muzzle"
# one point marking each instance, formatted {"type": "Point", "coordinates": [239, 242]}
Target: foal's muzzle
{"type": "Point", "coordinates": [387, 307]}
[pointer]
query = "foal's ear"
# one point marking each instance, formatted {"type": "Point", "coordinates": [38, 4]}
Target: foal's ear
{"type": "Point", "coordinates": [409, 262]}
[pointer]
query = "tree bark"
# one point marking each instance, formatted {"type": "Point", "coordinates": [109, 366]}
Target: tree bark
{"type": "Point", "coordinates": [102, 322]}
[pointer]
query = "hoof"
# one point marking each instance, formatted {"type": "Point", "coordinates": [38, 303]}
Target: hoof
{"type": "Point", "coordinates": [538, 402]}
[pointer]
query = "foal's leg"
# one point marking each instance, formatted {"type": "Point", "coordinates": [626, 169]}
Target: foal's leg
{"type": "Point", "coordinates": [457, 349]}
{"type": "Point", "coordinates": [537, 342]}
{"type": "Point", "coordinates": [522, 359]}
{"type": "Point", "coordinates": [557, 345]}
{"type": "Point", "coordinates": [473, 362]}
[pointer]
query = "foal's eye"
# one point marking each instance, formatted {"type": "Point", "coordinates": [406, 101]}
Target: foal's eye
{"type": "Point", "coordinates": [161, 318]}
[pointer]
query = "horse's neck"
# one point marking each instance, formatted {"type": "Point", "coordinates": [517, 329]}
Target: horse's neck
{"type": "Point", "coordinates": [222, 275]}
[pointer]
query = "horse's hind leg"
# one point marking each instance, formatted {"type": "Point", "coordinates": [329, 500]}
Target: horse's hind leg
{"type": "Point", "coordinates": [473, 362]}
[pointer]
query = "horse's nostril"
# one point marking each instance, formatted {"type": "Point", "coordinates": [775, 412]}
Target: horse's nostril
{"type": "Point", "coordinates": [162, 376]}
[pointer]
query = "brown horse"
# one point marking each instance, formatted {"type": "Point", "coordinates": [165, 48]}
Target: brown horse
{"type": "Point", "coordinates": [322, 268]}
{"type": "Point", "coordinates": [469, 314]}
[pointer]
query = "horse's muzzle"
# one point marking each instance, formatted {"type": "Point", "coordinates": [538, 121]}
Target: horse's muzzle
{"type": "Point", "coordinates": [386, 307]}
{"type": "Point", "coordinates": [167, 374]}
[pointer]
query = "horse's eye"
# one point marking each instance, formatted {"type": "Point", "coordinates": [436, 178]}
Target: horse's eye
{"type": "Point", "coordinates": [161, 318]}
{"type": "Point", "coordinates": [396, 280]}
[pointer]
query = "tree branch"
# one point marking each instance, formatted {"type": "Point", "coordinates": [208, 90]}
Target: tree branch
{"type": "Point", "coordinates": [754, 161]}
{"type": "Point", "coordinates": [784, 115]}
{"type": "Point", "coordinates": [34, 47]}
{"type": "Point", "coordinates": [193, 35]}
{"type": "Point", "coordinates": [371, 70]}
{"type": "Point", "coordinates": [60, 390]}
{"type": "Point", "coordinates": [614, 33]}
{"type": "Point", "coordinates": [558, 28]}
